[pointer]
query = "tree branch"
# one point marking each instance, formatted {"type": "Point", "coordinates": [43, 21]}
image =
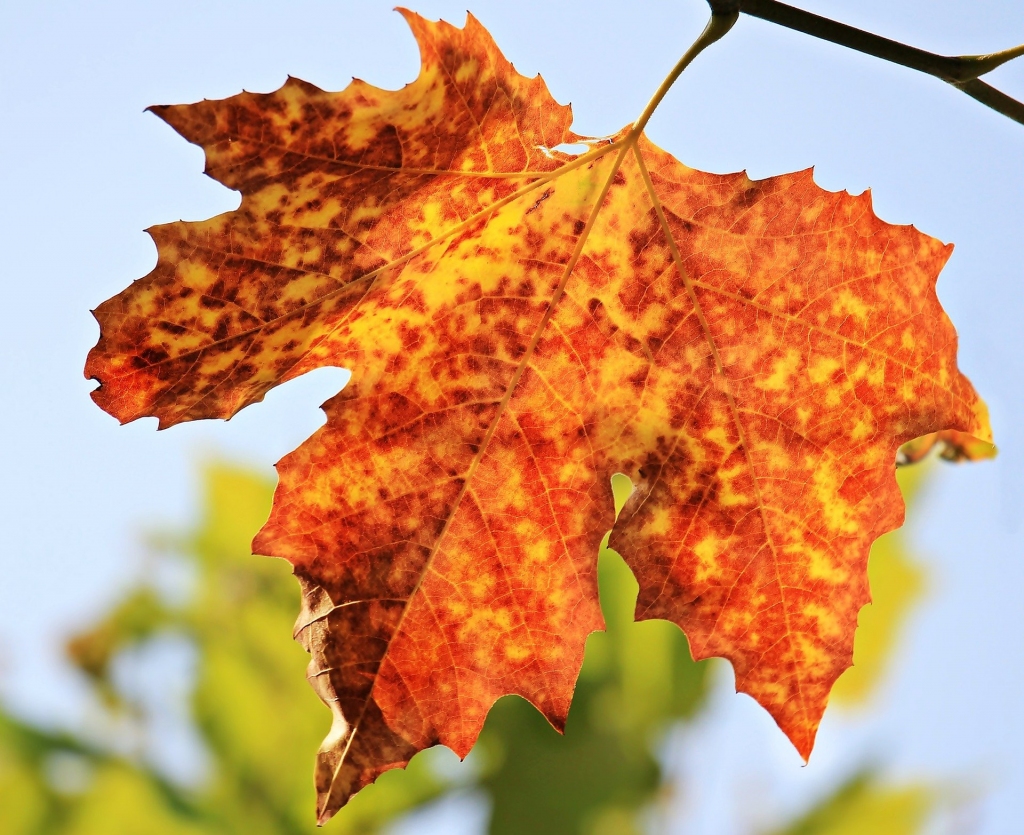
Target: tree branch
{"type": "Point", "coordinates": [962, 71]}
{"type": "Point", "coordinates": [996, 99]}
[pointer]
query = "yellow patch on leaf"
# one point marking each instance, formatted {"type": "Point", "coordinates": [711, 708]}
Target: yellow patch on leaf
{"type": "Point", "coordinates": [520, 325]}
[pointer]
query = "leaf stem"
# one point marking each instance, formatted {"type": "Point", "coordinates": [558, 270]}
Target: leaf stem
{"type": "Point", "coordinates": [962, 71]}
{"type": "Point", "coordinates": [719, 24]}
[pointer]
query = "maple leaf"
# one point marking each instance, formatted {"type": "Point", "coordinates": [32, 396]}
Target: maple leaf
{"type": "Point", "coordinates": [521, 324]}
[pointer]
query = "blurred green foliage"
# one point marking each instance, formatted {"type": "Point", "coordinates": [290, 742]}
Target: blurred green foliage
{"type": "Point", "coordinates": [863, 807]}
{"type": "Point", "coordinates": [259, 719]}
{"type": "Point", "coordinates": [261, 722]}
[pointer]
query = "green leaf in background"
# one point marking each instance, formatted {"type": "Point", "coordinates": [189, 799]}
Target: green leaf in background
{"type": "Point", "coordinates": [28, 801]}
{"type": "Point", "coordinates": [863, 807]}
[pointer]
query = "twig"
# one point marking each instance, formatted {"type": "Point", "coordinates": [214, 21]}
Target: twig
{"type": "Point", "coordinates": [962, 71]}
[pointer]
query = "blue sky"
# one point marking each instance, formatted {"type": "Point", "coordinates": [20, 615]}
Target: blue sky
{"type": "Point", "coordinates": [84, 170]}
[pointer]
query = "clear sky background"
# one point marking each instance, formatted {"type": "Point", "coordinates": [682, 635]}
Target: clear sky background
{"type": "Point", "coordinates": [83, 171]}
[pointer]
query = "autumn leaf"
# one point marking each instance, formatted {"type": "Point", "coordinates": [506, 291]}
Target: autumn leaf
{"type": "Point", "coordinates": [521, 324]}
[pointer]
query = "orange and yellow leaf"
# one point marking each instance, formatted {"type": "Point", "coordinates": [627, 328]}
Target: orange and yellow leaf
{"type": "Point", "coordinates": [521, 324]}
